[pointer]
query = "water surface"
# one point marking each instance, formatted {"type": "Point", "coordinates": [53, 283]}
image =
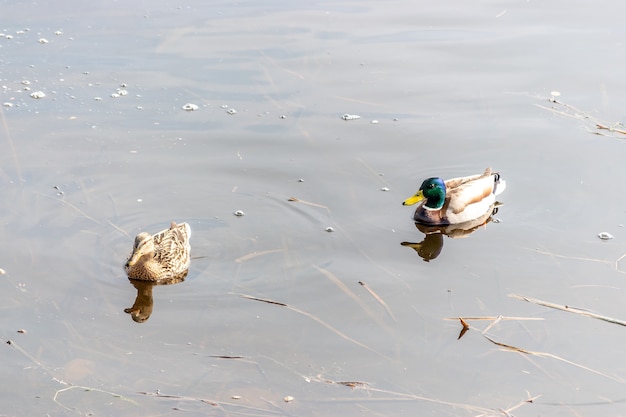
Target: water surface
{"type": "Point", "coordinates": [360, 326]}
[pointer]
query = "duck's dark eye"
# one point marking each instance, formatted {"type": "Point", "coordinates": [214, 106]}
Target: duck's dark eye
{"type": "Point", "coordinates": [431, 185]}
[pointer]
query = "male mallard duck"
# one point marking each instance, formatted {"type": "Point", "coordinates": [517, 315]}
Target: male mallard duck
{"type": "Point", "coordinates": [457, 200]}
{"type": "Point", "coordinates": [162, 256]}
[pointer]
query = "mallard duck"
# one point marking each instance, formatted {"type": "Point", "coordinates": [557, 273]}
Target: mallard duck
{"type": "Point", "coordinates": [162, 256]}
{"type": "Point", "coordinates": [457, 200]}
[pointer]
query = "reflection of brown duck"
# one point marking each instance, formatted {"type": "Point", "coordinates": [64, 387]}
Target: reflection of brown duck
{"type": "Point", "coordinates": [162, 256]}
{"type": "Point", "coordinates": [431, 246]}
{"type": "Point", "coordinates": [142, 307]}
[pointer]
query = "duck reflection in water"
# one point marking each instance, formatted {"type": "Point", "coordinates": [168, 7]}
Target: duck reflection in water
{"type": "Point", "coordinates": [144, 303]}
{"type": "Point", "coordinates": [431, 246]}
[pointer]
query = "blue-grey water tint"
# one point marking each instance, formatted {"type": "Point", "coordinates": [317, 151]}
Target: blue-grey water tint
{"type": "Point", "coordinates": [454, 87]}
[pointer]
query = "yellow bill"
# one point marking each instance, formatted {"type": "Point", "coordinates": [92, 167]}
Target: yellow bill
{"type": "Point", "coordinates": [419, 196]}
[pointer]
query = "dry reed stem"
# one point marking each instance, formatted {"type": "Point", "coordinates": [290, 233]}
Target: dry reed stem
{"type": "Point", "coordinates": [312, 317]}
{"type": "Point", "coordinates": [375, 174]}
{"type": "Point", "coordinates": [580, 258]}
{"type": "Point", "coordinates": [491, 318]}
{"type": "Point", "coordinates": [255, 254]}
{"type": "Point", "coordinates": [308, 203]}
{"type": "Point", "coordinates": [18, 168]}
{"type": "Point", "coordinates": [339, 228]}
{"type": "Point", "coordinates": [218, 404]}
{"type": "Point", "coordinates": [533, 353]}
{"type": "Point", "coordinates": [397, 396]}
{"type": "Point", "coordinates": [69, 385]}
{"type": "Point", "coordinates": [73, 207]}
{"type": "Point", "coordinates": [551, 356]}
{"type": "Point", "coordinates": [530, 400]}
{"type": "Point", "coordinates": [87, 216]}
{"type": "Point", "coordinates": [380, 300]}
{"type": "Point", "coordinates": [392, 396]}
{"type": "Point", "coordinates": [333, 278]}
{"type": "Point", "coordinates": [119, 229]}
{"type": "Point", "coordinates": [568, 110]}
{"type": "Point", "coordinates": [569, 309]}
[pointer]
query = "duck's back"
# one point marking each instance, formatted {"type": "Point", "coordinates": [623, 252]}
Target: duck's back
{"type": "Point", "coordinates": [171, 248]}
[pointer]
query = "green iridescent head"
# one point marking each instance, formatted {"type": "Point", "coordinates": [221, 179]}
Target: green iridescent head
{"type": "Point", "coordinates": [433, 190]}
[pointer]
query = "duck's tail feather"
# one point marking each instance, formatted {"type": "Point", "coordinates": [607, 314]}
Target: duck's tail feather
{"type": "Point", "coordinates": [499, 184]}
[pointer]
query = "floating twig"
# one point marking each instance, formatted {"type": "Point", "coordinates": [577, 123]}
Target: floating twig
{"type": "Point", "coordinates": [308, 203]}
{"type": "Point", "coordinates": [312, 317]}
{"type": "Point", "coordinates": [465, 328]}
{"type": "Point", "coordinates": [551, 356]}
{"type": "Point", "coordinates": [72, 387]}
{"type": "Point", "coordinates": [568, 309]}
{"type": "Point", "coordinates": [581, 258]}
{"type": "Point", "coordinates": [18, 168]}
{"type": "Point", "coordinates": [219, 404]}
{"type": "Point", "coordinates": [491, 318]}
{"type": "Point", "coordinates": [68, 386]}
{"type": "Point", "coordinates": [264, 300]}
{"type": "Point", "coordinates": [377, 298]}
{"type": "Point", "coordinates": [73, 207]}
{"type": "Point", "coordinates": [567, 110]}
{"type": "Point", "coordinates": [255, 254]}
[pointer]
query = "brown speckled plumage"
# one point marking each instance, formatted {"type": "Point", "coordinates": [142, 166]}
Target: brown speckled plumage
{"type": "Point", "coordinates": [162, 256]}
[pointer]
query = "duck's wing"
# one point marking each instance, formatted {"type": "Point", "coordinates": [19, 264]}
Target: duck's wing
{"type": "Point", "coordinates": [172, 247]}
{"type": "Point", "coordinates": [453, 183]}
{"type": "Point", "coordinates": [183, 231]}
{"type": "Point", "coordinates": [478, 190]}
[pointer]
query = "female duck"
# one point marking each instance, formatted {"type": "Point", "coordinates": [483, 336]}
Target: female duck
{"type": "Point", "coordinates": [457, 200]}
{"type": "Point", "coordinates": [162, 256]}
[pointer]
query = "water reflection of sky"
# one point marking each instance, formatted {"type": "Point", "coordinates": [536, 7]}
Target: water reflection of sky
{"type": "Point", "coordinates": [462, 83]}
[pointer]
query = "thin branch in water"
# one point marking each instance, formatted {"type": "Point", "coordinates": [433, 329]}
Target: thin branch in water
{"type": "Point", "coordinates": [119, 229]}
{"type": "Point", "coordinates": [569, 309]}
{"type": "Point", "coordinates": [297, 200]}
{"type": "Point", "coordinates": [312, 317]}
{"type": "Point", "coordinates": [263, 300]}
{"type": "Point", "coordinates": [220, 405]}
{"type": "Point", "coordinates": [551, 356]}
{"type": "Point", "coordinates": [335, 280]}
{"type": "Point", "coordinates": [579, 258]}
{"type": "Point", "coordinates": [377, 298]}
{"type": "Point", "coordinates": [255, 254]}
{"type": "Point", "coordinates": [113, 394]}
{"type": "Point", "coordinates": [491, 318]}
{"type": "Point", "coordinates": [543, 354]}
{"type": "Point", "coordinates": [529, 400]}
{"type": "Point", "coordinates": [465, 328]}
{"type": "Point", "coordinates": [227, 357]}
{"type": "Point", "coordinates": [617, 261]}
{"type": "Point", "coordinates": [343, 287]}
{"type": "Point", "coordinates": [493, 323]}
{"type": "Point", "coordinates": [68, 385]}
{"type": "Point", "coordinates": [18, 168]}
{"type": "Point", "coordinates": [374, 173]}
{"type": "Point", "coordinates": [72, 206]}
{"type": "Point", "coordinates": [611, 128]}
{"type": "Point", "coordinates": [597, 125]}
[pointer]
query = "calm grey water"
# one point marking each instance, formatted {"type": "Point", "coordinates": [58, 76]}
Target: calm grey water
{"type": "Point", "coordinates": [454, 87]}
